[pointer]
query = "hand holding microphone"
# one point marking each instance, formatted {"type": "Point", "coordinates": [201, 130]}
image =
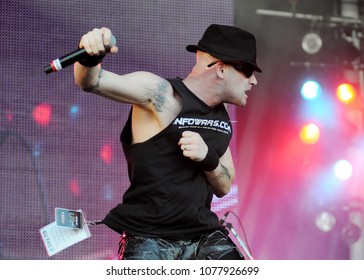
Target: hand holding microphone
{"type": "Point", "coordinates": [93, 47]}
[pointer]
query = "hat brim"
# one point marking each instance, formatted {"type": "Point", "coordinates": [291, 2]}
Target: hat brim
{"type": "Point", "coordinates": [225, 58]}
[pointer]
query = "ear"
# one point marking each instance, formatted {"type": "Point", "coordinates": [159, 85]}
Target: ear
{"type": "Point", "coordinates": [220, 70]}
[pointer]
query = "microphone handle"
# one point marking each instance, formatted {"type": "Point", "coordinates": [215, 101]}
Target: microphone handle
{"type": "Point", "coordinates": [71, 58]}
{"type": "Point", "coordinates": [64, 61]}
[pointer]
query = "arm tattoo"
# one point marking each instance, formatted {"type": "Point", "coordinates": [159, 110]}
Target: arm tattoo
{"type": "Point", "coordinates": [159, 96]}
{"type": "Point", "coordinates": [224, 173]}
{"type": "Point", "coordinates": [95, 87]}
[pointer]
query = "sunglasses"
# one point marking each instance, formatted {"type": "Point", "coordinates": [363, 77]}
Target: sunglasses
{"type": "Point", "coordinates": [244, 68]}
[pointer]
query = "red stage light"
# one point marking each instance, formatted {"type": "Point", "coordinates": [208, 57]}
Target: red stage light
{"type": "Point", "coordinates": [75, 187]}
{"type": "Point", "coordinates": [9, 116]}
{"type": "Point", "coordinates": [42, 114]}
{"type": "Point", "coordinates": [106, 153]}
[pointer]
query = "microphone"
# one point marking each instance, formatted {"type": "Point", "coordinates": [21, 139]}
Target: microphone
{"type": "Point", "coordinates": [60, 63]}
{"type": "Point", "coordinates": [222, 220]}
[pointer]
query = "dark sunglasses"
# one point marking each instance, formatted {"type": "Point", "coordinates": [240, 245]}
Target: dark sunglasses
{"type": "Point", "coordinates": [244, 68]}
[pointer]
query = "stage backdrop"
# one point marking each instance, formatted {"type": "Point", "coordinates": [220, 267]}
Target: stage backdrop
{"type": "Point", "coordinates": [59, 146]}
{"type": "Point", "coordinates": [285, 183]}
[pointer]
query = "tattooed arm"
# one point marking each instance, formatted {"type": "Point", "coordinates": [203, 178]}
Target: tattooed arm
{"type": "Point", "coordinates": [222, 177]}
{"type": "Point", "coordinates": [141, 88]}
{"type": "Point", "coordinates": [194, 147]}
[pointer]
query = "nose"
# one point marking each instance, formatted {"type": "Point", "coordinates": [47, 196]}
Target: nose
{"type": "Point", "coordinates": [253, 80]}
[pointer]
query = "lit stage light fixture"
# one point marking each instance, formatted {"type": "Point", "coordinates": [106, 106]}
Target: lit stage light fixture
{"type": "Point", "coordinates": [310, 90]}
{"type": "Point", "coordinates": [311, 43]}
{"type": "Point", "coordinates": [346, 93]}
{"type": "Point", "coordinates": [310, 133]}
{"type": "Point", "coordinates": [325, 221]}
{"type": "Point", "coordinates": [343, 169]}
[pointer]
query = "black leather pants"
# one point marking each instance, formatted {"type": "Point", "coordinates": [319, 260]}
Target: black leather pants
{"type": "Point", "coordinates": [212, 246]}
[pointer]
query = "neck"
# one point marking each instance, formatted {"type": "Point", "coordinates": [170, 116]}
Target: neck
{"type": "Point", "coordinates": [204, 88]}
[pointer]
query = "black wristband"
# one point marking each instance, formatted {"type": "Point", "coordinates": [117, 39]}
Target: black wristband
{"type": "Point", "coordinates": [210, 162]}
{"type": "Point", "coordinates": [91, 61]}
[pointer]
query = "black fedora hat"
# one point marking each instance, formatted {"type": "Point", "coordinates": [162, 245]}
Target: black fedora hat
{"type": "Point", "coordinates": [228, 43]}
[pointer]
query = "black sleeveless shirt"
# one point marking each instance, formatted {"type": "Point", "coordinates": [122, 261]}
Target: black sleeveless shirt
{"type": "Point", "coordinates": [169, 196]}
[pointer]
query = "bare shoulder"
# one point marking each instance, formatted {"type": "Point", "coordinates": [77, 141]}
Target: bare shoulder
{"type": "Point", "coordinates": [162, 107]}
{"type": "Point", "coordinates": [158, 92]}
